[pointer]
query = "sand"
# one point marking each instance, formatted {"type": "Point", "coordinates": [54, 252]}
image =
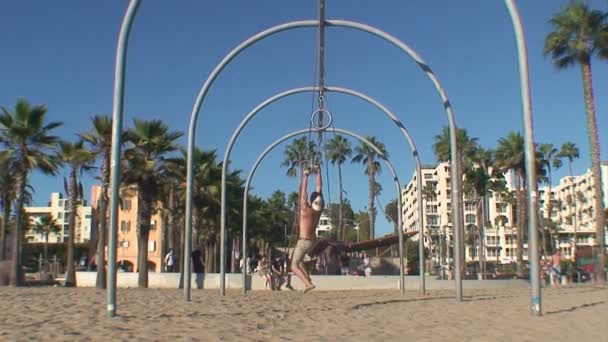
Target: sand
{"type": "Point", "coordinates": [62, 314]}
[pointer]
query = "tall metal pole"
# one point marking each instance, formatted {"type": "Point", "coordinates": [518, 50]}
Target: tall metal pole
{"type": "Point", "coordinates": [421, 284]}
{"type": "Point", "coordinates": [117, 115]}
{"type": "Point", "coordinates": [524, 79]}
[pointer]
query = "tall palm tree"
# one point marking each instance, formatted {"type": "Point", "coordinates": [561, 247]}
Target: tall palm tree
{"type": "Point", "coordinates": [150, 143]}
{"type": "Point", "coordinates": [570, 152]}
{"type": "Point", "coordinates": [7, 196]}
{"type": "Point", "coordinates": [99, 139]}
{"type": "Point", "coordinates": [479, 182]}
{"type": "Point", "coordinates": [78, 159]}
{"type": "Point", "coordinates": [337, 150]}
{"type": "Point", "coordinates": [299, 154]}
{"type": "Point", "coordinates": [46, 226]}
{"type": "Point", "coordinates": [367, 156]}
{"type": "Point", "coordinates": [442, 150]}
{"type": "Point", "coordinates": [549, 157]}
{"type": "Point", "coordinates": [579, 34]}
{"type": "Point", "coordinates": [29, 144]}
{"type": "Point", "coordinates": [510, 156]}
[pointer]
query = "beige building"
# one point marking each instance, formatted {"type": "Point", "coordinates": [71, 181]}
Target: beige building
{"type": "Point", "coordinates": [572, 210]}
{"type": "Point", "coordinates": [59, 208]}
{"type": "Point", "coordinates": [501, 237]}
{"type": "Point", "coordinates": [126, 254]}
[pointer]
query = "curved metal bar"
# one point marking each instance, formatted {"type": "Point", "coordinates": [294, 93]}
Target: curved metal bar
{"type": "Point", "coordinates": [117, 115]}
{"type": "Point", "coordinates": [359, 95]}
{"type": "Point", "coordinates": [524, 78]}
{"type": "Point", "coordinates": [337, 130]}
{"type": "Point", "coordinates": [456, 200]}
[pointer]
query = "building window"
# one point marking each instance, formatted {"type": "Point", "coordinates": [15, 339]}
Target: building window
{"type": "Point", "coordinates": [469, 219]}
{"type": "Point", "coordinates": [60, 215]}
{"type": "Point", "coordinates": [501, 208]}
{"type": "Point", "coordinates": [153, 225]}
{"type": "Point", "coordinates": [151, 246]}
{"type": "Point", "coordinates": [126, 204]}
{"type": "Point", "coordinates": [432, 220]}
{"type": "Point", "coordinates": [125, 226]}
{"type": "Point", "coordinates": [469, 206]}
{"type": "Point", "coordinates": [88, 216]}
{"type": "Point", "coordinates": [431, 209]}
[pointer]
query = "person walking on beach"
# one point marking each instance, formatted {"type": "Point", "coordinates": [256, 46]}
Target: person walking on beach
{"type": "Point", "coordinates": [310, 213]}
{"type": "Point", "coordinates": [556, 268]}
{"type": "Point", "coordinates": [169, 261]}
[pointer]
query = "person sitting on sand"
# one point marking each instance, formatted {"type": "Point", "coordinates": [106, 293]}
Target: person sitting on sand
{"type": "Point", "coordinates": [264, 272]}
{"type": "Point", "coordinates": [310, 213]}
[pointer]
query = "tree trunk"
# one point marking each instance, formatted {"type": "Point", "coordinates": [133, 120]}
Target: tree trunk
{"type": "Point", "coordinates": [372, 194]}
{"type": "Point", "coordinates": [70, 277]}
{"type": "Point", "coordinates": [594, 143]}
{"type": "Point", "coordinates": [480, 227]}
{"type": "Point", "coordinates": [341, 230]}
{"type": "Point", "coordinates": [102, 218]}
{"type": "Point", "coordinates": [46, 246]}
{"type": "Point", "coordinates": [144, 215]}
{"type": "Point", "coordinates": [6, 216]}
{"type": "Point", "coordinates": [19, 220]}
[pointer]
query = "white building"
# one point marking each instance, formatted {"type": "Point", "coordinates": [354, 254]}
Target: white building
{"type": "Point", "coordinates": [324, 226]}
{"type": "Point", "coordinates": [59, 209]}
{"type": "Point", "coordinates": [501, 235]}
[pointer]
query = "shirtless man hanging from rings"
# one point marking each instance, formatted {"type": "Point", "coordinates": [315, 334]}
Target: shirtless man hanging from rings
{"type": "Point", "coordinates": [310, 213]}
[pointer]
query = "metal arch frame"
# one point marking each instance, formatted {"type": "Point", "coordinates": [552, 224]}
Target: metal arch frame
{"type": "Point", "coordinates": [118, 108]}
{"type": "Point", "coordinates": [454, 164]}
{"type": "Point", "coordinates": [347, 91]}
{"type": "Point", "coordinates": [337, 130]}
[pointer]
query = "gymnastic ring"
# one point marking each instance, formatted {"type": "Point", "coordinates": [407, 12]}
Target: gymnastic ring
{"type": "Point", "coordinates": [314, 123]}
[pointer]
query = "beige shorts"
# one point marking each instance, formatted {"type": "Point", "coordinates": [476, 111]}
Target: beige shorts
{"type": "Point", "coordinates": [302, 247]}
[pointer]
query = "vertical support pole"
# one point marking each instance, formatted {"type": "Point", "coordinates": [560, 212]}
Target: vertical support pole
{"type": "Point", "coordinates": [456, 209]}
{"type": "Point", "coordinates": [400, 231]}
{"type": "Point", "coordinates": [421, 284]}
{"type": "Point", "coordinates": [117, 116]}
{"type": "Point", "coordinates": [524, 78]}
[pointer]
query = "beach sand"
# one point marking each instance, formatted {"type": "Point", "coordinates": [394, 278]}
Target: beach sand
{"type": "Point", "coordinates": [78, 314]}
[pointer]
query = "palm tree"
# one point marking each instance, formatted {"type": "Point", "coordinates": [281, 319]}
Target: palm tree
{"type": "Point", "coordinates": [570, 152]}
{"type": "Point", "coordinates": [99, 139]}
{"type": "Point", "coordinates": [549, 157]}
{"type": "Point", "coordinates": [337, 150]}
{"type": "Point", "coordinates": [479, 182]}
{"type": "Point", "coordinates": [510, 156]}
{"type": "Point", "coordinates": [150, 142]}
{"type": "Point", "coordinates": [299, 154]}
{"type": "Point", "coordinates": [78, 159]}
{"type": "Point", "coordinates": [442, 149]}
{"type": "Point", "coordinates": [46, 226]}
{"type": "Point", "coordinates": [28, 144]}
{"type": "Point", "coordinates": [579, 34]}
{"type": "Point", "coordinates": [367, 156]}
{"type": "Point", "coordinates": [7, 196]}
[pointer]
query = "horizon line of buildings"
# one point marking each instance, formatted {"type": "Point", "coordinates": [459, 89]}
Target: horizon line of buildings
{"type": "Point", "coordinates": [571, 211]}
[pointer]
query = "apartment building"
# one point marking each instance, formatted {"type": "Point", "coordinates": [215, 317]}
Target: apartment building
{"type": "Point", "coordinates": [59, 208]}
{"type": "Point", "coordinates": [572, 195]}
{"type": "Point", "coordinates": [572, 210]}
{"type": "Point", "coordinates": [127, 250]}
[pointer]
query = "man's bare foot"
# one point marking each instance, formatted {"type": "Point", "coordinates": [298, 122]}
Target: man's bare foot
{"type": "Point", "coordinates": [308, 289]}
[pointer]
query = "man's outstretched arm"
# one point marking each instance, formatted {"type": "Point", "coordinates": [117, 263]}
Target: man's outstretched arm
{"type": "Point", "coordinates": [303, 188]}
{"type": "Point", "coordinates": [318, 181]}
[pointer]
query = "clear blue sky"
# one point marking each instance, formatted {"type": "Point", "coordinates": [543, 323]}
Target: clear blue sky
{"type": "Point", "coordinates": [61, 53]}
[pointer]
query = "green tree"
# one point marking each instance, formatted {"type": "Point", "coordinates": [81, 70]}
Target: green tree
{"type": "Point", "coordinates": [510, 156]}
{"type": "Point", "coordinates": [579, 33]}
{"type": "Point", "coordinates": [7, 196]}
{"type": "Point", "coordinates": [362, 225]}
{"type": "Point", "coordinates": [99, 139]}
{"type": "Point", "coordinates": [30, 146]}
{"type": "Point", "coordinates": [367, 156]}
{"type": "Point", "coordinates": [150, 142]}
{"type": "Point", "coordinates": [549, 158]}
{"type": "Point", "coordinates": [338, 149]}
{"type": "Point", "coordinates": [46, 226]}
{"type": "Point", "coordinates": [78, 159]}
{"type": "Point", "coordinates": [299, 154]}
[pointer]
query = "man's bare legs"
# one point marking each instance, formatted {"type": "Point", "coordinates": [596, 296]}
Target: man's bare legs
{"type": "Point", "coordinates": [299, 271]}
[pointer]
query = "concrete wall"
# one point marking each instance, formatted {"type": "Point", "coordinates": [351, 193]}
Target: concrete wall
{"type": "Point", "coordinates": [234, 281]}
